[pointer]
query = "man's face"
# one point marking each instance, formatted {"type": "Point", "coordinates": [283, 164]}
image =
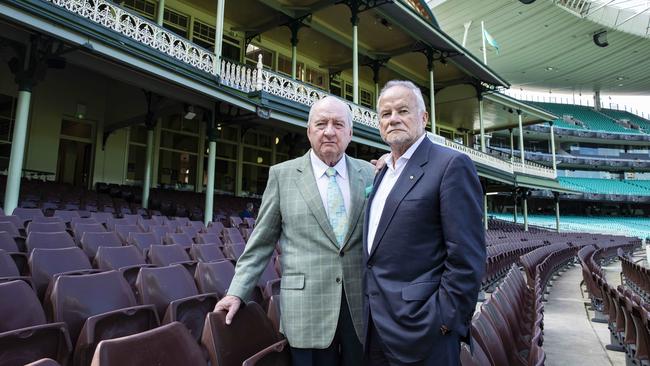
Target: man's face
{"type": "Point", "coordinates": [329, 131]}
{"type": "Point", "coordinates": [400, 122]}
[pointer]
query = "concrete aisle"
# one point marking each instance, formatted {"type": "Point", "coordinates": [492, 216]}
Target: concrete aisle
{"type": "Point", "coordinates": [570, 338]}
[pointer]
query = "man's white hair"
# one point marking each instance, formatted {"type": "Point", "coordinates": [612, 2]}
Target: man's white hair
{"type": "Point", "coordinates": [419, 100]}
{"type": "Point", "coordinates": [348, 112]}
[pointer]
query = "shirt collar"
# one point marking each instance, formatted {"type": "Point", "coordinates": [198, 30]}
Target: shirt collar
{"type": "Point", "coordinates": [407, 154]}
{"type": "Point", "coordinates": [320, 167]}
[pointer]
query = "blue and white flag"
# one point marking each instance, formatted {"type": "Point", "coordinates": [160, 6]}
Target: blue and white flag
{"type": "Point", "coordinates": [491, 41]}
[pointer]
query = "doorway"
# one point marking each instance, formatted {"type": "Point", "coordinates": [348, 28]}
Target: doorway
{"type": "Point", "coordinates": [75, 153]}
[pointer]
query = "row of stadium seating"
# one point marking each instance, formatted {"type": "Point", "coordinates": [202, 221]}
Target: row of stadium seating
{"type": "Point", "coordinates": [626, 313]}
{"type": "Point", "coordinates": [625, 115]}
{"type": "Point", "coordinates": [628, 226]}
{"type": "Point", "coordinates": [607, 186]}
{"type": "Point", "coordinates": [586, 116]}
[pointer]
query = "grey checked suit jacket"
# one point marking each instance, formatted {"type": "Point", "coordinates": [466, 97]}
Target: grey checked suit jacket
{"type": "Point", "coordinates": [314, 268]}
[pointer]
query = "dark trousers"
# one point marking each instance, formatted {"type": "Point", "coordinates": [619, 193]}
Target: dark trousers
{"type": "Point", "coordinates": [345, 350]}
{"type": "Point", "coordinates": [375, 353]}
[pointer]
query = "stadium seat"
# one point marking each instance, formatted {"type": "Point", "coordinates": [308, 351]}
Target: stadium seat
{"type": "Point", "coordinates": [7, 242]}
{"type": "Point", "coordinates": [81, 228]}
{"type": "Point", "coordinates": [214, 277]}
{"type": "Point", "coordinates": [49, 241]}
{"type": "Point", "coordinates": [206, 253]}
{"type": "Point", "coordinates": [66, 216]}
{"type": "Point", "coordinates": [123, 231]}
{"type": "Point", "coordinates": [233, 236]}
{"type": "Point", "coordinates": [165, 255]}
{"type": "Point", "coordinates": [225, 343]}
{"type": "Point", "coordinates": [181, 239]}
{"type": "Point", "coordinates": [27, 214]}
{"type": "Point", "coordinates": [24, 335]}
{"type": "Point", "coordinates": [9, 227]}
{"type": "Point", "coordinates": [82, 220]}
{"type": "Point", "coordinates": [45, 227]}
{"type": "Point", "coordinates": [215, 227]}
{"type": "Point", "coordinates": [97, 307]}
{"type": "Point", "coordinates": [174, 294]}
{"type": "Point", "coordinates": [44, 362]}
{"type": "Point", "coordinates": [92, 241]}
{"type": "Point", "coordinates": [168, 345]}
{"type": "Point", "coordinates": [9, 269]}
{"type": "Point", "coordinates": [45, 263]}
{"type": "Point", "coordinates": [143, 241]}
{"type": "Point", "coordinates": [208, 238]}
{"type": "Point", "coordinates": [273, 311]}
{"type": "Point", "coordinates": [160, 231]}
{"type": "Point", "coordinates": [234, 251]}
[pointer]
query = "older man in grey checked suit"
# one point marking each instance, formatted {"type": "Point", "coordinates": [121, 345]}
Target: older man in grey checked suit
{"type": "Point", "coordinates": [314, 206]}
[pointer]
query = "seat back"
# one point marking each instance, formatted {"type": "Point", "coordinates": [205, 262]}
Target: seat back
{"type": "Point", "coordinates": [75, 298]}
{"type": "Point", "coordinates": [160, 286]}
{"type": "Point", "coordinates": [123, 231]}
{"type": "Point", "coordinates": [45, 227]}
{"type": "Point", "coordinates": [49, 241]}
{"type": "Point", "coordinates": [45, 263]}
{"type": "Point", "coordinates": [224, 342]}
{"type": "Point", "coordinates": [206, 252]}
{"type": "Point", "coordinates": [17, 221]}
{"type": "Point", "coordinates": [164, 255]}
{"type": "Point", "coordinates": [181, 239]}
{"type": "Point", "coordinates": [24, 310]}
{"type": "Point", "coordinates": [167, 345]}
{"type": "Point", "coordinates": [9, 227]}
{"type": "Point", "coordinates": [7, 242]}
{"type": "Point", "coordinates": [118, 257]}
{"type": "Point", "coordinates": [82, 220]}
{"type": "Point", "coordinates": [27, 214]}
{"type": "Point", "coordinates": [8, 267]}
{"type": "Point", "coordinates": [82, 228]}
{"type": "Point", "coordinates": [65, 216]}
{"type": "Point", "coordinates": [214, 277]}
{"type": "Point", "coordinates": [233, 236]}
{"type": "Point", "coordinates": [143, 241]}
{"type": "Point", "coordinates": [92, 241]}
{"type": "Point", "coordinates": [215, 227]}
{"type": "Point", "coordinates": [208, 238]}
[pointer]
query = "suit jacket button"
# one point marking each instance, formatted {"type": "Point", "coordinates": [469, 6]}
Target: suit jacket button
{"type": "Point", "coordinates": [370, 266]}
{"type": "Point", "coordinates": [444, 330]}
{"type": "Point", "coordinates": [341, 253]}
{"type": "Point", "coordinates": [338, 279]}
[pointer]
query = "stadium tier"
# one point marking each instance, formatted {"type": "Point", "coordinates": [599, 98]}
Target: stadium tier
{"type": "Point", "coordinates": [583, 117]}
{"type": "Point", "coordinates": [607, 186]}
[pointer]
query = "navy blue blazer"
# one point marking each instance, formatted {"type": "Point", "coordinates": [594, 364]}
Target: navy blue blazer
{"type": "Point", "coordinates": [422, 277]}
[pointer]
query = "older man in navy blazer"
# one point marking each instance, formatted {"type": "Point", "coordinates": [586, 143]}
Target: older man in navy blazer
{"type": "Point", "coordinates": [424, 241]}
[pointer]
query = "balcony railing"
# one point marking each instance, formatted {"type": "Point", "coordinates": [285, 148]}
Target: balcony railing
{"type": "Point", "coordinates": [249, 79]}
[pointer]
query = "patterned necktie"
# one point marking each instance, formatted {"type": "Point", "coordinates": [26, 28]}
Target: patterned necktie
{"type": "Point", "coordinates": [335, 207]}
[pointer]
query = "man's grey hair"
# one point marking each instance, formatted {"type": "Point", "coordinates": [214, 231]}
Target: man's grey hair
{"type": "Point", "coordinates": [348, 112]}
{"type": "Point", "coordinates": [419, 100]}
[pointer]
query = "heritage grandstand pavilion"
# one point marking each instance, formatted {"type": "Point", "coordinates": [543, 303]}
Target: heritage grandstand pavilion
{"type": "Point", "coordinates": [148, 122]}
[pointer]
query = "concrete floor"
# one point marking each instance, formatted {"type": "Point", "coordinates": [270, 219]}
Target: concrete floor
{"type": "Point", "coordinates": [570, 338]}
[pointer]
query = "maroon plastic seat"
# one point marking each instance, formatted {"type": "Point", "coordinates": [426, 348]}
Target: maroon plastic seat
{"type": "Point", "coordinates": [233, 251]}
{"type": "Point", "coordinates": [164, 255]}
{"type": "Point", "coordinates": [49, 241]}
{"type": "Point", "coordinates": [17, 221]}
{"type": "Point", "coordinates": [96, 307]}
{"type": "Point", "coordinates": [127, 259]}
{"type": "Point", "coordinates": [123, 231]}
{"type": "Point", "coordinates": [92, 241]}
{"type": "Point", "coordinates": [181, 239]}
{"type": "Point", "coordinates": [214, 277]}
{"type": "Point", "coordinates": [235, 221]}
{"type": "Point", "coordinates": [198, 225]}
{"type": "Point", "coordinates": [143, 241]}
{"type": "Point", "coordinates": [7, 242]}
{"type": "Point", "coordinates": [44, 362]}
{"type": "Point", "coordinates": [46, 219]}
{"type": "Point", "coordinates": [160, 231]}
{"type": "Point", "coordinates": [475, 358]}
{"type": "Point", "coordinates": [273, 311]}
{"type": "Point", "coordinates": [206, 252]}
{"type": "Point", "coordinates": [215, 227]}
{"type": "Point", "coordinates": [224, 342]}
{"type": "Point", "coordinates": [101, 217]}
{"type": "Point", "coordinates": [24, 335]}
{"type": "Point", "coordinates": [82, 220]}
{"type": "Point", "coordinates": [488, 339]}
{"type": "Point", "coordinates": [79, 229]}
{"type": "Point", "coordinates": [190, 231]}
{"type": "Point", "coordinates": [27, 214]}
{"type": "Point", "coordinates": [232, 236]}
{"type": "Point", "coordinates": [249, 221]}
{"type": "Point", "coordinates": [208, 238]}
{"type": "Point", "coordinates": [173, 292]}
{"type": "Point", "coordinates": [45, 227]}
{"type": "Point", "coordinates": [9, 227]}
{"type": "Point", "coordinates": [45, 263]}
{"type": "Point", "coordinates": [168, 345]}
{"type": "Point", "coordinates": [65, 216]}
{"type": "Point", "coordinates": [112, 222]}
{"type": "Point", "coordinates": [10, 270]}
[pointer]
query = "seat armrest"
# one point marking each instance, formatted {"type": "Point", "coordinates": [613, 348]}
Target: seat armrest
{"type": "Point", "coordinates": [277, 348]}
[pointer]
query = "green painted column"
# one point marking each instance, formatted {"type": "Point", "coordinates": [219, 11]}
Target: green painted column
{"type": "Point", "coordinates": [160, 14]}
{"type": "Point", "coordinates": [355, 57]}
{"type": "Point", "coordinates": [525, 209]}
{"type": "Point", "coordinates": [480, 121]}
{"type": "Point", "coordinates": [553, 149]}
{"type": "Point", "coordinates": [294, 28]}
{"type": "Point", "coordinates": [514, 212]}
{"type": "Point", "coordinates": [557, 211]}
{"type": "Point", "coordinates": [512, 145]}
{"type": "Point", "coordinates": [148, 168]}
{"type": "Point", "coordinates": [218, 37]}
{"type": "Point", "coordinates": [209, 187]}
{"type": "Point", "coordinates": [485, 211]}
{"type": "Point", "coordinates": [521, 140]}
{"type": "Point", "coordinates": [432, 99]}
{"type": "Point", "coordinates": [14, 174]}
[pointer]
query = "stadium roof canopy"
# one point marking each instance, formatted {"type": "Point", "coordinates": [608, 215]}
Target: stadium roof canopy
{"type": "Point", "coordinates": [550, 46]}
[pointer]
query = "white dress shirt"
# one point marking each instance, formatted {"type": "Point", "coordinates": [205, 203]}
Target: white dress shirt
{"type": "Point", "coordinates": [322, 180]}
{"type": "Point", "coordinates": [385, 187]}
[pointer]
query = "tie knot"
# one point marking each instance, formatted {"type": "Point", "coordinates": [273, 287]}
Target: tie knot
{"type": "Point", "coordinates": [331, 172]}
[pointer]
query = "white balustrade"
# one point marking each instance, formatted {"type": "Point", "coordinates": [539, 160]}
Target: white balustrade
{"type": "Point", "coordinates": [250, 79]}
{"type": "Point", "coordinates": [141, 30]}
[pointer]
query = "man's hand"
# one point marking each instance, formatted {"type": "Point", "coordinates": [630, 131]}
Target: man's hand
{"type": "Point", "coordinates": [379, 163]}
{"type": "Point", "coordinates": [230, 304]}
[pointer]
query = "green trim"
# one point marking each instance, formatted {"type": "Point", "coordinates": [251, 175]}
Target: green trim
{"type": "Point", "coordinates": [540, 183]}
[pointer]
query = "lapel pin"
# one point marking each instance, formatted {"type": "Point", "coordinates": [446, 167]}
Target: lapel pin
{"type": "Point", "coordinates": [411, 177]}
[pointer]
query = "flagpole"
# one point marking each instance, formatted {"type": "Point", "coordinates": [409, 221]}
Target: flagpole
{"type": "Point", "coordinates": [466, 25]}
{"type": "Point", "coordinates": [484, 48]}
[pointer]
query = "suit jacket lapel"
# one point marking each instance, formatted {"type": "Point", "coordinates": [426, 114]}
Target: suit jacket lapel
{"type": "Point", "coordinates": [410, 176]}
{"type": "Point", "coordinates": [357, 196]}
{"type": "Point", "coordinates": [308, 188]}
